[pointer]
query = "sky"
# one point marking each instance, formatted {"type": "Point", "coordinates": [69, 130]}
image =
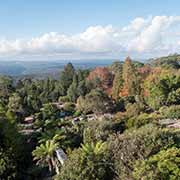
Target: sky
{"type": "Point", "coordinates": [88, 29]}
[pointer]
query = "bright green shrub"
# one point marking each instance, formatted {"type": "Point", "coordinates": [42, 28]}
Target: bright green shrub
{"type": "Point", "coordinates": [164, 165]}
{"type": "Point", "coordinates": [170, 112]}
{"type": "Point", "coordinates": [139, 121]}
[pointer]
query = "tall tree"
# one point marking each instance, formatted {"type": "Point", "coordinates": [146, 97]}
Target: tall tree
{"type": "Point", "coordinates": [15, 103]}
{"type": "Point", "coordinates": [6, 87]}
{"type": "Point", "coordinates": [66, 77]}
{"type": "Point", "coordinates": [117, 84]}
{"type": "Point", "coordinates": [131, 79]}
{"type": "Point", "coordinates": [72, 92]}
{"type": "Point", "coordinates": [78, 86]}
{"type": "Point", "coordinates": [102, 78]}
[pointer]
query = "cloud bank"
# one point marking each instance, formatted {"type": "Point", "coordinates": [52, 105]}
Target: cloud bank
{"type": "Point", "coordinates": [143, 37]}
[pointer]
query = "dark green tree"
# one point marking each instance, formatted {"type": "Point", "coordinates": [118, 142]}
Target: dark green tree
{"type": "Point", "coordinates": [66, 77]}
{"type": "Point", "coordinates": [96, 101]}
{"type": "Point", "coordinates": [117, 84]}
{"type": "Point", "coordinates": [6, 88]}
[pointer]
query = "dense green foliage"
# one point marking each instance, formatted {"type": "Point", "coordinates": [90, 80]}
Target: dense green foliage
{"type": "Point", "coordinates": [138, 145]}
{"type": "Point", "coordinates": [119, 122]}
{"type": "Point", "coordinates": [96, 101]}
{"type": "Point", "coordinates": [171, 61]}
{"type": "Point", "coordinates": [164, 165]}
{"type": "Point", "coordinates": [88, 162]}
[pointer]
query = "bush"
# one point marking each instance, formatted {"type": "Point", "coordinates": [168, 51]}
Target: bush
{"type": "Point", "coordinates": [97, 101]}
{"type": "Point", "coordinates": [133, 110]}
{"type": "Point", "coordinates": [174, 97]}
{"type": "Point", "coordinates": [64, 99]}
{"type": "Point", "coordinates": [70, 107]}
{"type": "Point", "coordinates": [170, 112]}
{"type": "Point", "coordinates": [138, 144]}
{"type": "Point", "coordinates": [101, 130]}
{"type": "Point", "coordinates": [164, 165]}
{"type": "Point", "coordinates": [88, 163]}
{"type": "Point", "coordinates": [139, 121]}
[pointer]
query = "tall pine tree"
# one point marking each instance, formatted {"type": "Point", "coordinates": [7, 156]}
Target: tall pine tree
{"type": "Point", "coordinates": [66, 77]}
{"type": "Point", "coordinates": [131, 79]}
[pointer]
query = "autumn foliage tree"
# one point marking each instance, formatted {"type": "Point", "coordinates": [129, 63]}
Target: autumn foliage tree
{"type": "Point", "coordinates": [103, 76]}
{"type": "Point", "coordinates": [131, 79]}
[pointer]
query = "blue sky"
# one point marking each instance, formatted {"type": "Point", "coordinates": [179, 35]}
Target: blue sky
{"type": "Point", "coordinates": [24, 20]}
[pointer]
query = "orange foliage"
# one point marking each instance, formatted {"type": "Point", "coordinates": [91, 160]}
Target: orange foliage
{"type": "Point", "coordinates": [105, 77]}
{"type": "Point", "coordinates": [145, 70]}
{"type": "Point", "coordinates": [128, 74]}
{"type": "Point", "coordinates": [124, 92]}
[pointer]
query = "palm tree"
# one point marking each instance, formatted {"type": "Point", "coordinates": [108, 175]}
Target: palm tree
{"type": "Point", "coordinates": [91, 150]}
{"type": "Point", "coordinates": [45, 154]}
{"type": "Point", "coordinates": [94, 159]}
{"type": "Point", "coordinates": [55, 135]}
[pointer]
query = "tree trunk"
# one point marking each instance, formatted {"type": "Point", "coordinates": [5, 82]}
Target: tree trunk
{"type": "Point", "coordinates": [50, 165]}
{"type": "Point", "coordinates": [55, 165]}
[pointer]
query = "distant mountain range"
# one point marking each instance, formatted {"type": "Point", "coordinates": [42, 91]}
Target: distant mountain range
{"type": "Point", "coordinates": [44, 68]}
{"type": "Point", "coordinates": [52, 68]}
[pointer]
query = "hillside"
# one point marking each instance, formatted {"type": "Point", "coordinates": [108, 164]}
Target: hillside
{"type": "Point", "coordinates": [119, 121]}
{"type": "Point", "coordinates": [167, 61]}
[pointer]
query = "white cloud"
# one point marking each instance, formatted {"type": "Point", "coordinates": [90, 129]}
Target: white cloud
{"type": "Point", "coordinates": [137, 24]}
{"type": "Point", "coordinates": [152, 36]}
{"type": "Point", "coordinates": [142, 37]}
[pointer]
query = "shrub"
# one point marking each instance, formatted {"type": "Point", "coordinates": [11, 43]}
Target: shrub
{"type": "Point", "coordinates": [139, 121]}
{"type": "Point", "coordinates": [138, 144]}
{"type": "Point", "coordinates": [100, 130]}
{"type": "Point", "coordinates": [70, 107]}
{"type": "Point", "coordinates": [89, 162]}
{"type": "Point", "coordinates": [97, 101]}
{"type": "Point", "coordinates": [133, 110]}
{"type": "Point", "coordinates": [164, 165]}
{"type": "Point", "coordinates": [170, 112]}
{"type": "Point", "coordinates": [64, 99]}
